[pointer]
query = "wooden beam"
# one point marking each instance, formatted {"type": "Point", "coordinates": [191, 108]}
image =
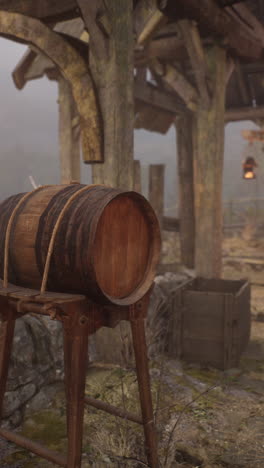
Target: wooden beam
{"type": "Point", "coordinates": [245, 17]}
{"type": "Point", "coordinates": [164, 48]}
{"type": "Point", "coordinates": [137, 176]}
{"type": "Point", "coordinates": [147, 18]}
{"type": "Point", "coordinates": [170, 224]}
{"type": "Point", "coordinates": [154, 22]}
{"type": "Point", "coordinates": [193, 44]}
{"type": "Point", "coordinates": [230, 66]}
{"type": "Point", "coordinates": [178, 82]}
{"type": "Point", "coordinates": [69, 134]}
{"type": "Point", "coordinates": [141, 76]}
{"type": "Point", "coordinates": [242, 85]}
{"type": "Point", "coordinates": [110, 26]}
{"type": "Point", "coordinates": [22, 67]}
{"type": "Point", "coordinates": [152, 95]}
{"type": "Point", "coordinates": [244, 113]}
{"type": "Point", "coordinates": [184, 129]}
{"type": "Point", "coordinates": [218, 23]}
{"type": "Point", "coordinates": [156, 189]}
{"type": "Point", "coordinates": [48, 10]}
{"type": "Point", "coordinates": [72, 67]}
{"type": "Point", "coordinates": [208, 154]}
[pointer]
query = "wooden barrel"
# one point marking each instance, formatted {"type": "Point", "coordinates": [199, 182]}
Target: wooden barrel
{"type": "Point", "coordinates": [107, 245]}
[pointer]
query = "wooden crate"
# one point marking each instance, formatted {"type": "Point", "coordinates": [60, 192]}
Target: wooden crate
{"type": "Point", "coordinates": [210, 322]}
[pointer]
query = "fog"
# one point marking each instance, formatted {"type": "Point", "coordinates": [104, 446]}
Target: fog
{"type": "Point", "coordinates": [29, 139]}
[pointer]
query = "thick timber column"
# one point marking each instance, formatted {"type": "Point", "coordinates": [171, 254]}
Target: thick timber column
{"type": "Point", "coordinates": [208, 150]}
{"type": "Point", "coordinates": [204, 97]}
{"type": "Point", "coordinates": [69, 134]}
{"type": "Point", "coordinates": [184, 126]}
{"type": "Point", "coordinates": [110, 27]}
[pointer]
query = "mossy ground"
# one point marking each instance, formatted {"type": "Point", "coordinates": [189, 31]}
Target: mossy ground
{"type": "Point", "coordinates": [205, 417]}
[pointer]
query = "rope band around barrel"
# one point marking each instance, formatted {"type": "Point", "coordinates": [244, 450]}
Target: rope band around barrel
{"type": "Point", "coordinates": [8, 231]}
{"type": "Point", "coordinates": [54, 232]}
{"type": "Point", "coordinates": [53, 236]}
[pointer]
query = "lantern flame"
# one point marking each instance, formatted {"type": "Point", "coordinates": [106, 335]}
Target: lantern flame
{"type": "Point", "coordinates": [249, 175]}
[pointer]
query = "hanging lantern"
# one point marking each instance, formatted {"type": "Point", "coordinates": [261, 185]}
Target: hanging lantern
{"type": "Point", "coordinates": [248, 168]}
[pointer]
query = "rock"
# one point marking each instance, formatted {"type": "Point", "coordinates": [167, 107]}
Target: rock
{"type": "Point", "coordinates": [15, 419]}
{"type": "Point", "coordinates": [199, 386]}
{"type": "Point", "coordinates": [23, 346]}
{"type": "Point", "coordinates": [16, 399]}
{"type": "Point", "coordinates": [54, 329]}
{"type": "Point", "coordinates": [175, 365]}
{"type": "Point", "coordinates": [32, 359]}
{"type": "Point", "coordinates": [36, 361]}
{"type": "Point", "coordinates": [43, 398]}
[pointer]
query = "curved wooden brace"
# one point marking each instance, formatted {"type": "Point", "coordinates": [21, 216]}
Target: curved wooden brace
{"type": "Point", "coordinates": [72, 67]}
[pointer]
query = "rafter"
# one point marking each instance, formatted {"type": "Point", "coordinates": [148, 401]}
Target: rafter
{"type": "Point", "coordinates": [193, 44]}
{"type": "Point", "coordinates": [230, 66]}
{"type": "Point", "coordinates": [47, 10]}
{"type": "Point", "coordinates": [147, 19]}
{"type": "Point", "coordinates": [243, 89]}
{"type": "Point", "coordinates": [178, 83]}
{"type": "Point", "coordinates": [72, 67]}
{"type": "Point", "coordinates": [154, 22]}
{"type": "Point", "coordinates": [151, 95]}
{"type": "Point", "coordinates": [219, 24]}
{"type": "Point", "coordinates": [244, 113]}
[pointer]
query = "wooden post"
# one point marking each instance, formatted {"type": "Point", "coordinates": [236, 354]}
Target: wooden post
{"type": "Point", "coordinates": [7, 326]}
{"type": "Point", "coordinates": [208, 168]}
{"type": "Point", "coordinates": [156, 189]}
{"type": "Point", "coordinates": [186, 191]}
{"type": "Point", "coordinates": [110, 24]}
{"type": "Point", "coordinates": [137, 176]}
{"type": "Point", "coordinates": [69, 131]}
{"type": "Point", "coordinates": [141, 358]}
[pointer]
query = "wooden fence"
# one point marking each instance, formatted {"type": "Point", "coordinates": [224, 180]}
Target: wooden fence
{"type": "Point", "coordinates": [236, 213]}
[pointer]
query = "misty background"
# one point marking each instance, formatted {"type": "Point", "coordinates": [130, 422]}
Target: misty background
{"type": "Point", "coordinates": [29, 141]}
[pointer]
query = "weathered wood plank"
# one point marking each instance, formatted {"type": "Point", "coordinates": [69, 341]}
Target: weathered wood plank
{"type": "Point", "coordinates": [137, 176]}
{"type": "Point", "coordinates": [110, 24]}
{"type": "Point", "coordinates": [193, 44]}
{"type": "Point", "coordinates": [152, 95]}
{"type": "Point", "coordinates": [170, 224]}
{"type": "Point", "coordinates": [178, 82]}
{"type": "Point", "coordinates": [69, 134]}
{"type": "Point", "coordinates": [244, 113]}
{"type": "Point", "coordinates": [184, 129]}
{"type": "Point", "coordinates": [208, 144]}
{"type": "Point", "coordinates": [150, 28]}
{"type": "Point", "coordinates": [218, 23]}
{"type": "Point", "coordinates": [156, 189]}
{"type": "Point", "coordinates": [242, 85]}
{"type": "Point", "coordinates": [42, 9]}
{"type": "Point", "coordinates": [72, 67]}
{"type": "Point", "coordinates": [165, 48]}
{"type": "Point", "coordinates": [230, 66]}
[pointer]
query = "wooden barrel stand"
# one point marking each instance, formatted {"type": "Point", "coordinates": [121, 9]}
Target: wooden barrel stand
{"type": "Point", "coordinates": [95, 241]}
{"type": "Point", "coordinates": [80, 318]}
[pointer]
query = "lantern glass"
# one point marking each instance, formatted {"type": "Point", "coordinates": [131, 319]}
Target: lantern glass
{"type": "Point", "coordinates": [248, 168]}
{"type": "Point", "coordinates": [249, 175]}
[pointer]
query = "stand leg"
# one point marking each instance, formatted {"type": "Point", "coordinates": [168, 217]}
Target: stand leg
{"type": "Point", "coordinates": [75, 359]}
{"type": "Point", "coordinates": [140, 349]}
{"type": "Point", "coordinates": [7, 326]}
{"type": "Point", "coordinates": [67, 349]}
